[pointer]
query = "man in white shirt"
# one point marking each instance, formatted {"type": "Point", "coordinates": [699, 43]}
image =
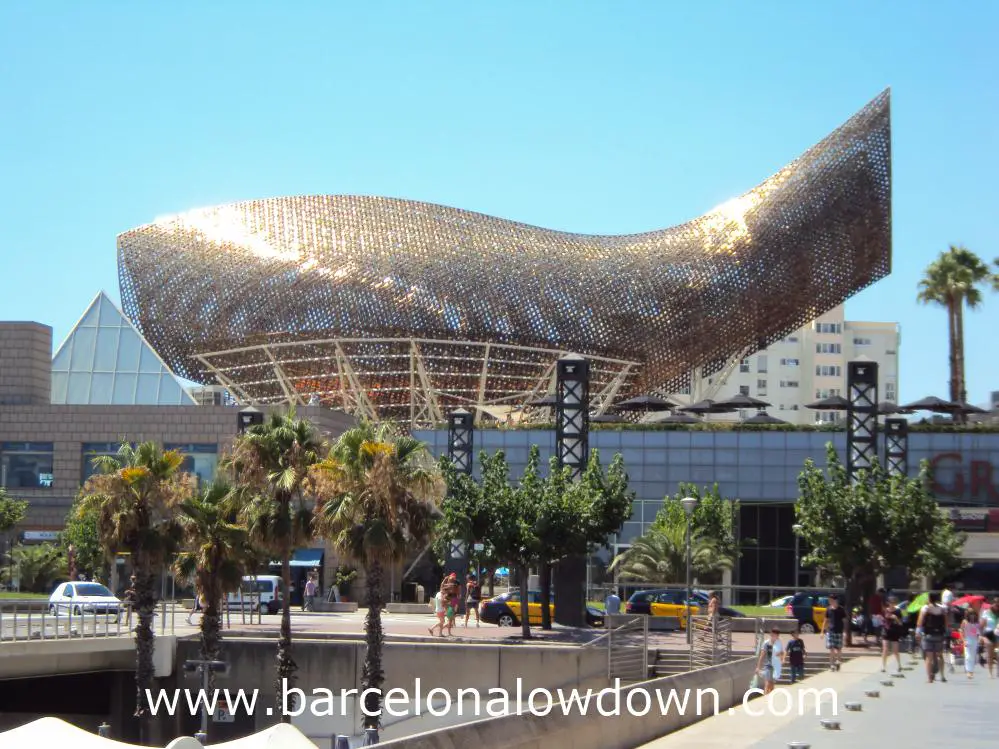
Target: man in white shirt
{"type": "Point", "coordinates": [612, 604]}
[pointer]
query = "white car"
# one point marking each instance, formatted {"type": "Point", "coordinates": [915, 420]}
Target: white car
{"type": "Point", "coordinates": [84, 599]}
{"type": "Point", "coordinates": [779, 603]}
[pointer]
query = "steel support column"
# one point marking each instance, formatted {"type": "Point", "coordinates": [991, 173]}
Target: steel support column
{"type": "Point", "coordinates": [572, 424]}
{"type": "Point", "coordinates": [460, 437]}
{"type": "Point", "coordinates": [861, 417]}
{"type": "Point", "coordinates": [897, 446]}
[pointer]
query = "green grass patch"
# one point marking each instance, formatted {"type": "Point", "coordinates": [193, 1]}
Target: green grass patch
{"type": "Point", "coordinates": [22, 596]}
{"type": "Point", "coordinates": [767, 611]}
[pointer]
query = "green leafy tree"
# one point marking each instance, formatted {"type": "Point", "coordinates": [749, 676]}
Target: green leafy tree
{"type": "Point", "coordinates": [216, 553]}
{"type": "Point", "coordinates": [560, 524]}
{"type": "Point", "coordinates": [135, 495]}
{"type": "Point", "coordinates": [859, 530]}
{"type": "Point", "coordinates": [82, 534]}
{"type": "Point", "coordinates": [36, 566]}
{"type": "Point", "coordinates": [379, 494]}
{"type": "Point", "coordinates": [271, 466]}
{"type": "Point", "coordinates": [467, 513]}
{"type": "Point", "coordinates": [715, 518]}
{"type": "Point", "coordinates": [953, 281]}
{"type": "Point", "coordinates": [513, 533]}
{"type": "Point", "coordinates": [660, 555]}
{"type": "Point", "coordinates": [577, 517]}
{"type": "Point", "coordinates": [12, 511]}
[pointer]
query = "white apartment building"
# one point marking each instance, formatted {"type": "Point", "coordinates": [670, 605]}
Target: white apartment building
{"type": "Point", "coordinates": [808, 365]}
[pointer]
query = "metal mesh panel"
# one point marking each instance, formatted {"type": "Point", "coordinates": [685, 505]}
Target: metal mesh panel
{"type": "Point", "coordinates": [323, 296]}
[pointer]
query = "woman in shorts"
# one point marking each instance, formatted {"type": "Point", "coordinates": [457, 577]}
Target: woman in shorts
{"type": "Point", "coordinates": [892, 634]}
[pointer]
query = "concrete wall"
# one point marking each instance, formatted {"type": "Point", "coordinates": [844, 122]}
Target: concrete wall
{"type": "Point", "coordinates": [415, 667]}
{"type": "Point", "coordinates": [78, 655]}
{"type": "Point", "coordinates": [25, 364]}
{"type": "Point", "coordinates": [593, 730]}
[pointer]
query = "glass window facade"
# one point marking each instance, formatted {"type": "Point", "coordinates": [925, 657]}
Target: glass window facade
{"type": "Point", "coordinates": [26, 465]}
{"type": "Point", "coordinates": [105, 361]}
{"type": "Point", "coordinates": [91, 450]}
{"type": "Point", "coordinates": [201, 460]}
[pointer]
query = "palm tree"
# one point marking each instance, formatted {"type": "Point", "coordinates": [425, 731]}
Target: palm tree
{"type": "Point", "coordinates": [215, 555]}
{"type": "Point", "coordinates": [953, 281]}
{"type": "Point", "coordinates": [270, 465]}
{"type": "Point", "coordinates": [135, 495]}
{"type": "Point", "coordinates": [379, 494]}
{"type": "Point", "coordinates": [660, 556]}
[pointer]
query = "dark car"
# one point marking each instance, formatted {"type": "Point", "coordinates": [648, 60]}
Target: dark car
{"type": "Point", "coordinates": [504, 610]}
{"type": "Point", "coordinates": [641, 601]}
{"type": "Point", "coordinates": [809, 609]}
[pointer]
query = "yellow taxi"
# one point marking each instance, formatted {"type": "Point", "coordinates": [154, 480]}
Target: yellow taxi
{"type": "Point", "coordinates": [810, 611]}
{"type": "Point", "coordinates": [504, 610]}
{"type": "Point", "coordinates": [672, 603]}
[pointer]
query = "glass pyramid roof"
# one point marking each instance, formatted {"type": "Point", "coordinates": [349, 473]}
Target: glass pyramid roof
{"type": "Point", "coordinates": [105, 361]}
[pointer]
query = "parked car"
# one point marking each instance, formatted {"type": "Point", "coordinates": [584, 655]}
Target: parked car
{"type": "Point", "coordinates": [672, 602]}
{"type": "Point", "coordinates": [780, 603]}
{"type": "Point", "coordinates": [266, 588]}
{"type": "Point", "coordinates": [504, 610]}
{"type": "Point", "coordinates": [810, 610]}
{"type": "Point", "coordinates": [84, 599]}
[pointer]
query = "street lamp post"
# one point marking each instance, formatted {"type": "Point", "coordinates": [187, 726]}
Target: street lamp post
{"type": "Point", "coordinates": [796, 529]}
{"type": "Point", "coordinates": [689, 503]}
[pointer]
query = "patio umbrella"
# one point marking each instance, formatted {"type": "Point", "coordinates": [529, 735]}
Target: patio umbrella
{"type": "Point", "coordinates": [917, 603]}
{"type": "Point", "coordinates": [832, 403]}
{"type": "Point", "coordinates": [607, 419]}
{"type": "Point", "coordinates": [741, 401]}
{"type": "Point", "coordinates": [967, 408]}
{"type": "Point", "coordinates": [676, 419]}
{"type": "Point", "coordinates": [708, 406]}
{"type": "Point", "coordinates": [934, 404]}
{"type": "Point", "coordinates": [886, 408]}
{"type": "Point", "coordinates": [762, 417]}
{"type": "Point", "coordinates": [965, 601]}
{"type": "Point", "coordinates": [645, 403]}
{"type": "Point", "coordinates": [546, 400]}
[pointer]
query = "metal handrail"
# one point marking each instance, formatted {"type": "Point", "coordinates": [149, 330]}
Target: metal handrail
{"type": "Point", "coordinates": [24, 622]}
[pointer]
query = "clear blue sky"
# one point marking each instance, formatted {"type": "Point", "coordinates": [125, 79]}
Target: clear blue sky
{"type": "Point", "coordinates": [590, 117]}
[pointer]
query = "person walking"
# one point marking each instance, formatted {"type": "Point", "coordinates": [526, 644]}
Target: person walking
{"type": "Point", "coordinates": [833, 628]}
{"type": "Point", "coordinates": [309, 601]}
{"type": "Point", "coordinates": [989, 624]}
{"type": "Point", "coordinates": [769, 663]}
{"type": "Point", "coordinates": [612, 604]}
{"type": "Point", "coordinates": [795, 653]}
{"type": "Point", "coordinates": [892, 635]}
{"type": "Point", "coordinates": [440, 610]}
{"type": "Point", "coordinates": [472, 599]}
{"type": "Point", "coordinates": [875, 615]}
{"type": "Point", "coordinates": [931, 628]}
{"type": "Point", "coordinates": [970, 634]}
{"type": "Point", "coordinates": [947, 600]}
{"type": "Point", "coordinates": [199, 606]}
{"type": "Point", "coordinates": [129, 597]}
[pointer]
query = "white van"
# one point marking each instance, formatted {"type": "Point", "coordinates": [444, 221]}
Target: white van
{"type": "Point", "coordinates": [263, 588]}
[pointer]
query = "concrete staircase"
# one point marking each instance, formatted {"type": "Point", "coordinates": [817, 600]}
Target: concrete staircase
{"type": "Point", "coordinates": [670, 662]}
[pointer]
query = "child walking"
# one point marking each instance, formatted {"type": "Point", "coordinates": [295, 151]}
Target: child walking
{"type": "Point", "coordinates": [795, 653]}
{"type": "Point", "coordinates": [970, 632]}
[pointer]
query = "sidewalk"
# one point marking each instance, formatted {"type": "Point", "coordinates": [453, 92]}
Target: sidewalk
{"type": "Point", "coordinates": [910, 713]}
